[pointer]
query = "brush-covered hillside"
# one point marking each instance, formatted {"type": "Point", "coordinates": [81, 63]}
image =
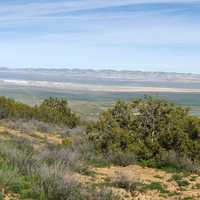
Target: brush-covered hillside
{"type": "Point", "coordinates": [143, 149]}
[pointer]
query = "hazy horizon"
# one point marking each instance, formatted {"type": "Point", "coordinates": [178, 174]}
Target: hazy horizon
{"type": "Point", "coordinates": [94, 69]}
{"type": "Point", "coordinates": [137, 35]}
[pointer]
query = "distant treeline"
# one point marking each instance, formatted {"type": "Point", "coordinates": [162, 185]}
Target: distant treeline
{"type": "Point", "coordinates": [52, 110]}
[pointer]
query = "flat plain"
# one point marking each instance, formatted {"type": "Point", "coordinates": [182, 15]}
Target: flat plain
{"type": "Point", "coordinates": [89, 92]}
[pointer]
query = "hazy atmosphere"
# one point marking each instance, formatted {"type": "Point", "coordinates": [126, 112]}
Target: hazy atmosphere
{"type": "Point", "coordinates": [149, 35]}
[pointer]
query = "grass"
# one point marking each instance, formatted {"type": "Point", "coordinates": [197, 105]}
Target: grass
{"type": "Point", "coordinates": [188, 198]}
{"type": "Point", "coordinates": [171, 169]}
{"type": "Point", "coordinates": [14, 180]}
{"type": "Point", "coordinates": [99, 162]}
{"type": "Point", "coordinates": [159, 187]}
{"type": "Point", "coordinates": [155, 186]}
{"type": "Point", "coordinates": [158, 176]}
{"type": "Point", "coordinates": [171, 194]}
{"type": "Point", "coordinates": [1, 196]}
{"type": "Point", "coordinates": [193, 178]}
{"type": "Point", "coordinates": [128, 185]}
{"type": "Point", "coordinates": [89, 173]}
{"type": "Point", "coordinates": [167, 167]}
{"type": "Point", "coordinates": [50, 176]}
{"type": "Point", "coordinates": [178, 178]}
{"type": "Point", "coordinates": [183, 183]}
{"type": "Point", "coordinates": [196, 186]}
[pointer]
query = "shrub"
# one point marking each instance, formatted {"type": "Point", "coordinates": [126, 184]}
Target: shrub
{"type": "Point", "coordinates": [146, 129]}
{"type": "Point", "coordinates": [53, 183]}
{"type": "Point", "coordinates": [23, 158]}
{"type": "Point", "coordinates": [57, 111]}
{"type": "Point", "coordinates": [1, 196]}
{"type": "Point", "coordinates": [174, 160]}
{"type": "Point", "coordinates": [125, 182]}
{"type": "Point", "coordinates": [45, 173]}
{"type": "Point", "coordinates": [52, 110]}
{"type": "Point", "coordinates": [67, 142]}
{"type": "Point", "coordinates": [120, 158]}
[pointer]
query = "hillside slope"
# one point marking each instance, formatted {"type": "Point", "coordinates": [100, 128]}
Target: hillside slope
{"type": "Point", "coordinates": [131, 182]}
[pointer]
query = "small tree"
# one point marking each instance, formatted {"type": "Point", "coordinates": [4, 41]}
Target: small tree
{"type": "Point", "coordinates": [147, 128]}
{"type": "Point", "coordinates": [57, 111]}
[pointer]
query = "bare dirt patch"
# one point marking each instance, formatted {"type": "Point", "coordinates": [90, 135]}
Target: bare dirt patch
{"type": "Point", "coordinates": [157, 184]}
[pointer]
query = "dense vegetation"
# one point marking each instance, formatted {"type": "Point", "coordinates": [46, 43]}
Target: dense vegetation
{"type": "Point", "coordinates": [32, 167]}
{"type": "Point", "coordinates": [145, 131]}
{"type": "Point", "coordinates": [46, 173]}
{"type": "Point", "coordinates": [51, 110]}
{"type": "Point", "coordinates": [148, 130]}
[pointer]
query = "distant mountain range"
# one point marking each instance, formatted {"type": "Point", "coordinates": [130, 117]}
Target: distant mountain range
{"type": "Point", "coordinates": [31, 85]}
{"type": "Point", "coordinates": [90, 76]}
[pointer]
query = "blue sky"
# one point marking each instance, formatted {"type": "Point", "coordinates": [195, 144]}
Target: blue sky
{"type": "Point", "coordinates": [148, 35]}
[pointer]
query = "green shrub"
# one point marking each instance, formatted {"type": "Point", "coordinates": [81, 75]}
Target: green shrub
{"type": "Point", "coordinates": [1, 196]}
{"type": "Point", "coordinates": [52, 110]}
{"type": "Point", "coordinates": [67, 142]}
{"type": "Point", "coordinates": [149, 130]}
{"type": "Point", "coordinates": [57, 111]}
{"type": "Point", "coordinates": [121, 158]}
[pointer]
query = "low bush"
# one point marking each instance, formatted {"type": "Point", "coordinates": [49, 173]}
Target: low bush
{"type": "Point", "coordinates": [125, 182]}
{"type": "Point", "coordinates": [120, 158]}
{"type": "Point", "coordinates": [44, 174]}
{"type": "Point", "coordinates": [53, 183]}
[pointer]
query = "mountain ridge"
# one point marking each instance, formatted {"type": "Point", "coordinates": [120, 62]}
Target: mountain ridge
{"type": "Point", "coordinates": [66, 74]}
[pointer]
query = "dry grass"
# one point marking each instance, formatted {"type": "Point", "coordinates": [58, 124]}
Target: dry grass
{"type": "Point", "coordinates": [136, 182]}
{"type": "Point", "coordinates": [130, 183]}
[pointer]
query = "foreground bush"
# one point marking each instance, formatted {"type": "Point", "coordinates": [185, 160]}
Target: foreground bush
{"type": "Point", "coordinates": [44, 174]}
{"type": "Point", "coordinates": [148, 129]}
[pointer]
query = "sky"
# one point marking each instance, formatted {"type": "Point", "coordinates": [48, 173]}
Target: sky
{"type": "Point", "coordinates": [146, 35]}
